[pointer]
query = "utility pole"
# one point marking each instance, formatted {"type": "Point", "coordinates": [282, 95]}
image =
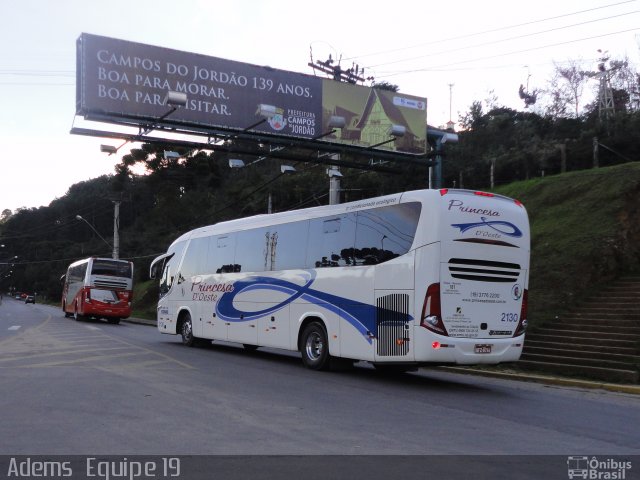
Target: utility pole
{"type": "Point", "coordinates": [450, 123]}
{"type": "Point", "coordinates": [116, 226]}
{"type": "Point", "coordinates": [350, 75]}
{"type": "Point", "coordinates": [334, 181]}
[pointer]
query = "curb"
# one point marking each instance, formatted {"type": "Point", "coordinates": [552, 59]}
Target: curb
{"type": "Point", "coordinates": [549, 380]}
{"type": "Point", "coordinates": [141, 321]}
{"type": "Point", "coordinates": [524, 377]}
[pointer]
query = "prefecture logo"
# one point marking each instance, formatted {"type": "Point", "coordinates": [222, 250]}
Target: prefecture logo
{"type": "Point", "coordinates": [589, 468]}
{"type": "Point", "coordinates": [277, 121]}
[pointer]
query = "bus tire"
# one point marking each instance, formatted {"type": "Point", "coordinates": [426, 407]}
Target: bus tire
{"type": "Point", "coordinates": [76, 316]}
{"type": "Point", "coordinates": [113, 321]}
{"type": "Point", "coordinates": [187, 332]}
{"type": "Point", "coordinates": [64, 310]}
{"type": "Point", "coordinates": [315, 347]}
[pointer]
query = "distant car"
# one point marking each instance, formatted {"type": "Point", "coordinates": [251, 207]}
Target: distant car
{"type": "Point", "coordinates": [30, 299]}
{"type": "Point", "coordinates": [18, 297]}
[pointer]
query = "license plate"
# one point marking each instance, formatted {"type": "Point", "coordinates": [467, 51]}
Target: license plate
{"type": "Point", "coordinates": [482, 348]}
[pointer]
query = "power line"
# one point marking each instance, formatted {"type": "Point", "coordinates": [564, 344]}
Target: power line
{"type": "Point", "coordinates": [493, 42]}
{"type": "Point", "coordinates": [434, 68]}
{"type": "Point", "coordinates": [469, 35]}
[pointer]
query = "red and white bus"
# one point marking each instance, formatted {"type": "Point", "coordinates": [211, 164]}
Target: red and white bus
{"type": "Point", "coordinates": [98, 288]}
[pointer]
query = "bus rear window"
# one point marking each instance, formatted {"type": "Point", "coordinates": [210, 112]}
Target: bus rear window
{"type": "Point", "coordinates": [111, 268]}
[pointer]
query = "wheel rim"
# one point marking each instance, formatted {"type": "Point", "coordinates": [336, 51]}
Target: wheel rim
{"type": "Point", "coordinates": [314, 346]}
{"type": "Point", "coordinates": [186, 330]}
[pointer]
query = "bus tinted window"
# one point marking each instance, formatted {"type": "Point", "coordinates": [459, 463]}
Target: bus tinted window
{"type": "Point", "coordinates": [221, 254]}
{"type": "Point", "coordinates": [195, 258]}
{"type": "Point", "coordinates": [288, 245]}
{"type": "Point", "coordinates": [385, 233]}
{"type": "Point", "coordinates": [253, 251]}
{"type": "Point", "coordinates": [331, 241]}
{"type": "Point", "coordinates": [112, 268]}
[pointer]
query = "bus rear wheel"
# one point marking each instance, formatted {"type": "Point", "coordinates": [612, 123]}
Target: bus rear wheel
{"type": "Point", "coordinates": [315, 347]}
{"type": "Point", "coordinates": [113, 321]}
{"type": "Point", "coordinates": [76, 316]}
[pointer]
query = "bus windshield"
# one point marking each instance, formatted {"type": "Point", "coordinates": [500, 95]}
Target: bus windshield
{"type": "Point", "coordinates": [111, 268]}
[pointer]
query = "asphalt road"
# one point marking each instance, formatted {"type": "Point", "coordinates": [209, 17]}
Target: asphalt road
{"type": "Point", "coordinates": [93, 388]}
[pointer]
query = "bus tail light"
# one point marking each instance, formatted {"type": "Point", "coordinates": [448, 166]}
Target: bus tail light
{"type": "Point", "coordinates": [522, 324]}
{"type": "Point", "coordinates": [87, 295]}
{"type": "Point", "coordinates": [431, 312]}
{"type": "Point", "coordinates": [124, 296]}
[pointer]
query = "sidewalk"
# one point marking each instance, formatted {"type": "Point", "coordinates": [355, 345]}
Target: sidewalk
{"type": "Point", "coordinates": [505, 373]}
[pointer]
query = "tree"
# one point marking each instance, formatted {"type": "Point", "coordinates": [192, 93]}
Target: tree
{"type": "Point", "coordinates": [566, 88]}
{"type": "Point", "coordinates": [4, 216]}
{"type": "Point", "coordinates": [386, 86]}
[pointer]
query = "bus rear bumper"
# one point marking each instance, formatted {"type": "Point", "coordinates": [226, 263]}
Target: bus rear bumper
{"type": "Point", "coordinates": [430, 347]}
{"type": "Point", "coordinates": [100, 310]}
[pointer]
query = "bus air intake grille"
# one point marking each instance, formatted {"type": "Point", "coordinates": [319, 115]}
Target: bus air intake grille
{"type": "Point", "coordinates": [392, 320]}
{"type": "Point", "coordinates": [484, 270]}
{"type": "Point", "coordinates": [110, 284]}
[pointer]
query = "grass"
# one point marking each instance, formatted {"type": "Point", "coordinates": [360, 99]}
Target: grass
{"type": "Point", "coordinates": [145, 299]}
{"type": "Point", "coordinates": [584, 232]}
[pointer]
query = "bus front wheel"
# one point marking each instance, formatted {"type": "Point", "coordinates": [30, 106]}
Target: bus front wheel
{"type": "Point", "coordinates": [315, 347]}
{"type": "Point", "coordinates": [187, 332]}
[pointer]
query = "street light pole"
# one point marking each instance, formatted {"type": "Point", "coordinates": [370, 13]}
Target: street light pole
{"type": "Point", "coordinates": [78, 217]}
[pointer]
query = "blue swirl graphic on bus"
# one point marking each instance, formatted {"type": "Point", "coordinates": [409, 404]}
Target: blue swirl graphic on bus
{"type": "Point", "coordinates": [360, 315]}
{"type": "Point", "coordinates": [514, 231]}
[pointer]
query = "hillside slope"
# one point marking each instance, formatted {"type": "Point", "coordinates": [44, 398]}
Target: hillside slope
{"type": "Point", "coordinates": [585, 229]}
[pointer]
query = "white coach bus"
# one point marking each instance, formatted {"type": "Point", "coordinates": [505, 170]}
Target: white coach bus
{"type": "Point", "coordinates": [421, 277]}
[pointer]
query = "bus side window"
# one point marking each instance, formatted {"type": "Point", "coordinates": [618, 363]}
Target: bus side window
{"type": "Point", "coordinates": [384, 233]}
{"type": "Point", "coordinates": [220, 255]}
{"type": "Point", "coordinates": [331, 241]}
{"type": "Point", "coordinates": [252, 247]}
{"type": "Point", "coordinates": [288, 245]}
{"type": "Point", "coordinates": [195, 258]}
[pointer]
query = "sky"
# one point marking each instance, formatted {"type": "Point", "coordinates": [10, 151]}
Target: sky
{"type": "Point", "coordinates": [452, 53]}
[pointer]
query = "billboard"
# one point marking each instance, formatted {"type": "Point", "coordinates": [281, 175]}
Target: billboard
{"type": "Point", "coordinates": [122, 80]}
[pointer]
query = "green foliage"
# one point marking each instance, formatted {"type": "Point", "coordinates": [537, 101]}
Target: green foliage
{"type": "Point", "coordinates": [585, 230]}
{"type": "Point", "coordinates": [145, 299]}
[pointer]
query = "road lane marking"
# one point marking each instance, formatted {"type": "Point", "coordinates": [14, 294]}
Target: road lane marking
{"type": "Point", "coordinates": [95, 358]}
{"type": "Point", "coordinates": [15, 327]}
{"type": "Point", "coordinates": [52, 341]}
{"type": "Point", "coordinates": [12, 339]}
{"type": "Point", "coordinates": [51, 354]}
{"type": "Point", "coordinates": [168, 357]}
